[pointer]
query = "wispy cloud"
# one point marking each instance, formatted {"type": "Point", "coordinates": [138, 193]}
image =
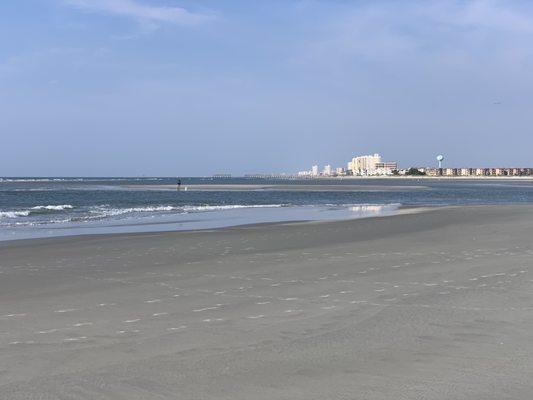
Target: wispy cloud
{"type": "Point", "coordinates": [474, 34]}
{"type": "Point", "coordinates": [489, 15]}
{"type": "Point", "coordinates": [146, 13]}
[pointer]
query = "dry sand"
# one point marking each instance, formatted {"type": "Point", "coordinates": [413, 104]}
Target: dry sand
{"type": "Point", "coordinates": [435, 305]}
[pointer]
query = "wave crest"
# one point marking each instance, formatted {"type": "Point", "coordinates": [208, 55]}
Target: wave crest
{"type": "Point", "coordinates": [54, 208]}
{"type": "Point", "coordinates": [14, 214]}
{"type": "Point", "coordinates": [34, 210]}
{"type": "Point", "coordinates": [110, 212]}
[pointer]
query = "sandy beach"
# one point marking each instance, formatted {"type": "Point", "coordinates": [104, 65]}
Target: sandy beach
{"type": "Point", "coordinates": [430, 305]}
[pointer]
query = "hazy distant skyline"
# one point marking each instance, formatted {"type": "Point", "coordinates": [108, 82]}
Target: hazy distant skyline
{"type": "Point", "coordinates": [196, 87]}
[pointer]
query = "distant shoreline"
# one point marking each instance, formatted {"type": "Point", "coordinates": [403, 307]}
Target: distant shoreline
{"type": "Point", "coordinates": [277, 187]}
{"type": "Point", "coordinates": [40, 179]}
{"type": "Point", "coordinates": [311, 186]}
{"type": "Point", "coordinates": [409, 177]}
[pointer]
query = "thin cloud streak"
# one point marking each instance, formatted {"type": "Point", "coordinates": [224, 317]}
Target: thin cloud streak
{"type": "Point", "coordinates": [474, 34]}
{"type": "Point", "coordinates": [144, 13]}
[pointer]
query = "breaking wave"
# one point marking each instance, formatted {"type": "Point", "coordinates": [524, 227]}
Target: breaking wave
{"type": "Point", "coordinates": [54, 208]}
{"type": "Point", "coordinates": [14, 214]}
{"type": "Point", "coordinates": [34, 210]}
{"type": "Point", "coordinates": [64, 213]}
{"type": "Point", "coordinates": [106, 211]}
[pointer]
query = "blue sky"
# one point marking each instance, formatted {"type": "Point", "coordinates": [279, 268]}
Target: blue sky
{"type": "Point", "coordinates": [194, 87]}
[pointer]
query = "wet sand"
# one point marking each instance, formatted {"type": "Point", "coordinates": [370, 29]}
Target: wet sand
{"type": "Point", "coordinates": [433, 305]}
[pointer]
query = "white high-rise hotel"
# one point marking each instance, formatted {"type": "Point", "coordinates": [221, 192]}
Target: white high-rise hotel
{"type": "Point", "coordinates": [364, 165]}
{"type": "Point", "coordinates": [371, 165]}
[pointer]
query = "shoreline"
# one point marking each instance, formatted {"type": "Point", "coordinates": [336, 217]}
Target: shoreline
{"type": "Point", "coordinates": [401, 210]}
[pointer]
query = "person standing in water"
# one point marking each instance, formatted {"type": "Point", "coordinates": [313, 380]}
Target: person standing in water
{"type": "Point", "coordinates": [179, 183]}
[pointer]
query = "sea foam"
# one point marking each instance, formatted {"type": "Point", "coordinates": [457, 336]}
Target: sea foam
{"type": "Point", "coordinates": [54, 208]}
{"type": "Point", "coordinates": [14, 214]}
{"type": "Point", "coordinates": [34, 210]}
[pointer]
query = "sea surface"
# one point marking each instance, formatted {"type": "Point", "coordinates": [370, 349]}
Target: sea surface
{"type": "Point", "coordinates": [41, 207]}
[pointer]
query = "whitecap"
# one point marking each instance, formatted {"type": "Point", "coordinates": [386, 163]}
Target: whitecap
{"type": "Point", "coordinates": [14, 214]}
{"type": "Point", "coordinates": [54, 207]}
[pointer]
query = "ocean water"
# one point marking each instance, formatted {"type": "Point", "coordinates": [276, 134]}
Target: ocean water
{"type": "Point", "coordinates": [39, 207]}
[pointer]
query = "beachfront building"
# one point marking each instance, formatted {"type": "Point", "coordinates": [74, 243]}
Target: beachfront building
{"type": "Point", "coordinates": [364, 165]}
{"type": "Point", "coordinates": [449, 171]}
{"type": "Point", "coordinates": [386, 168]}
{"type": "Point", "coordinates": [328, 171]}
{"type": "Point", "coordinates": [478, 172]}
{"type": "Point", "coordinates": [371, 165]}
